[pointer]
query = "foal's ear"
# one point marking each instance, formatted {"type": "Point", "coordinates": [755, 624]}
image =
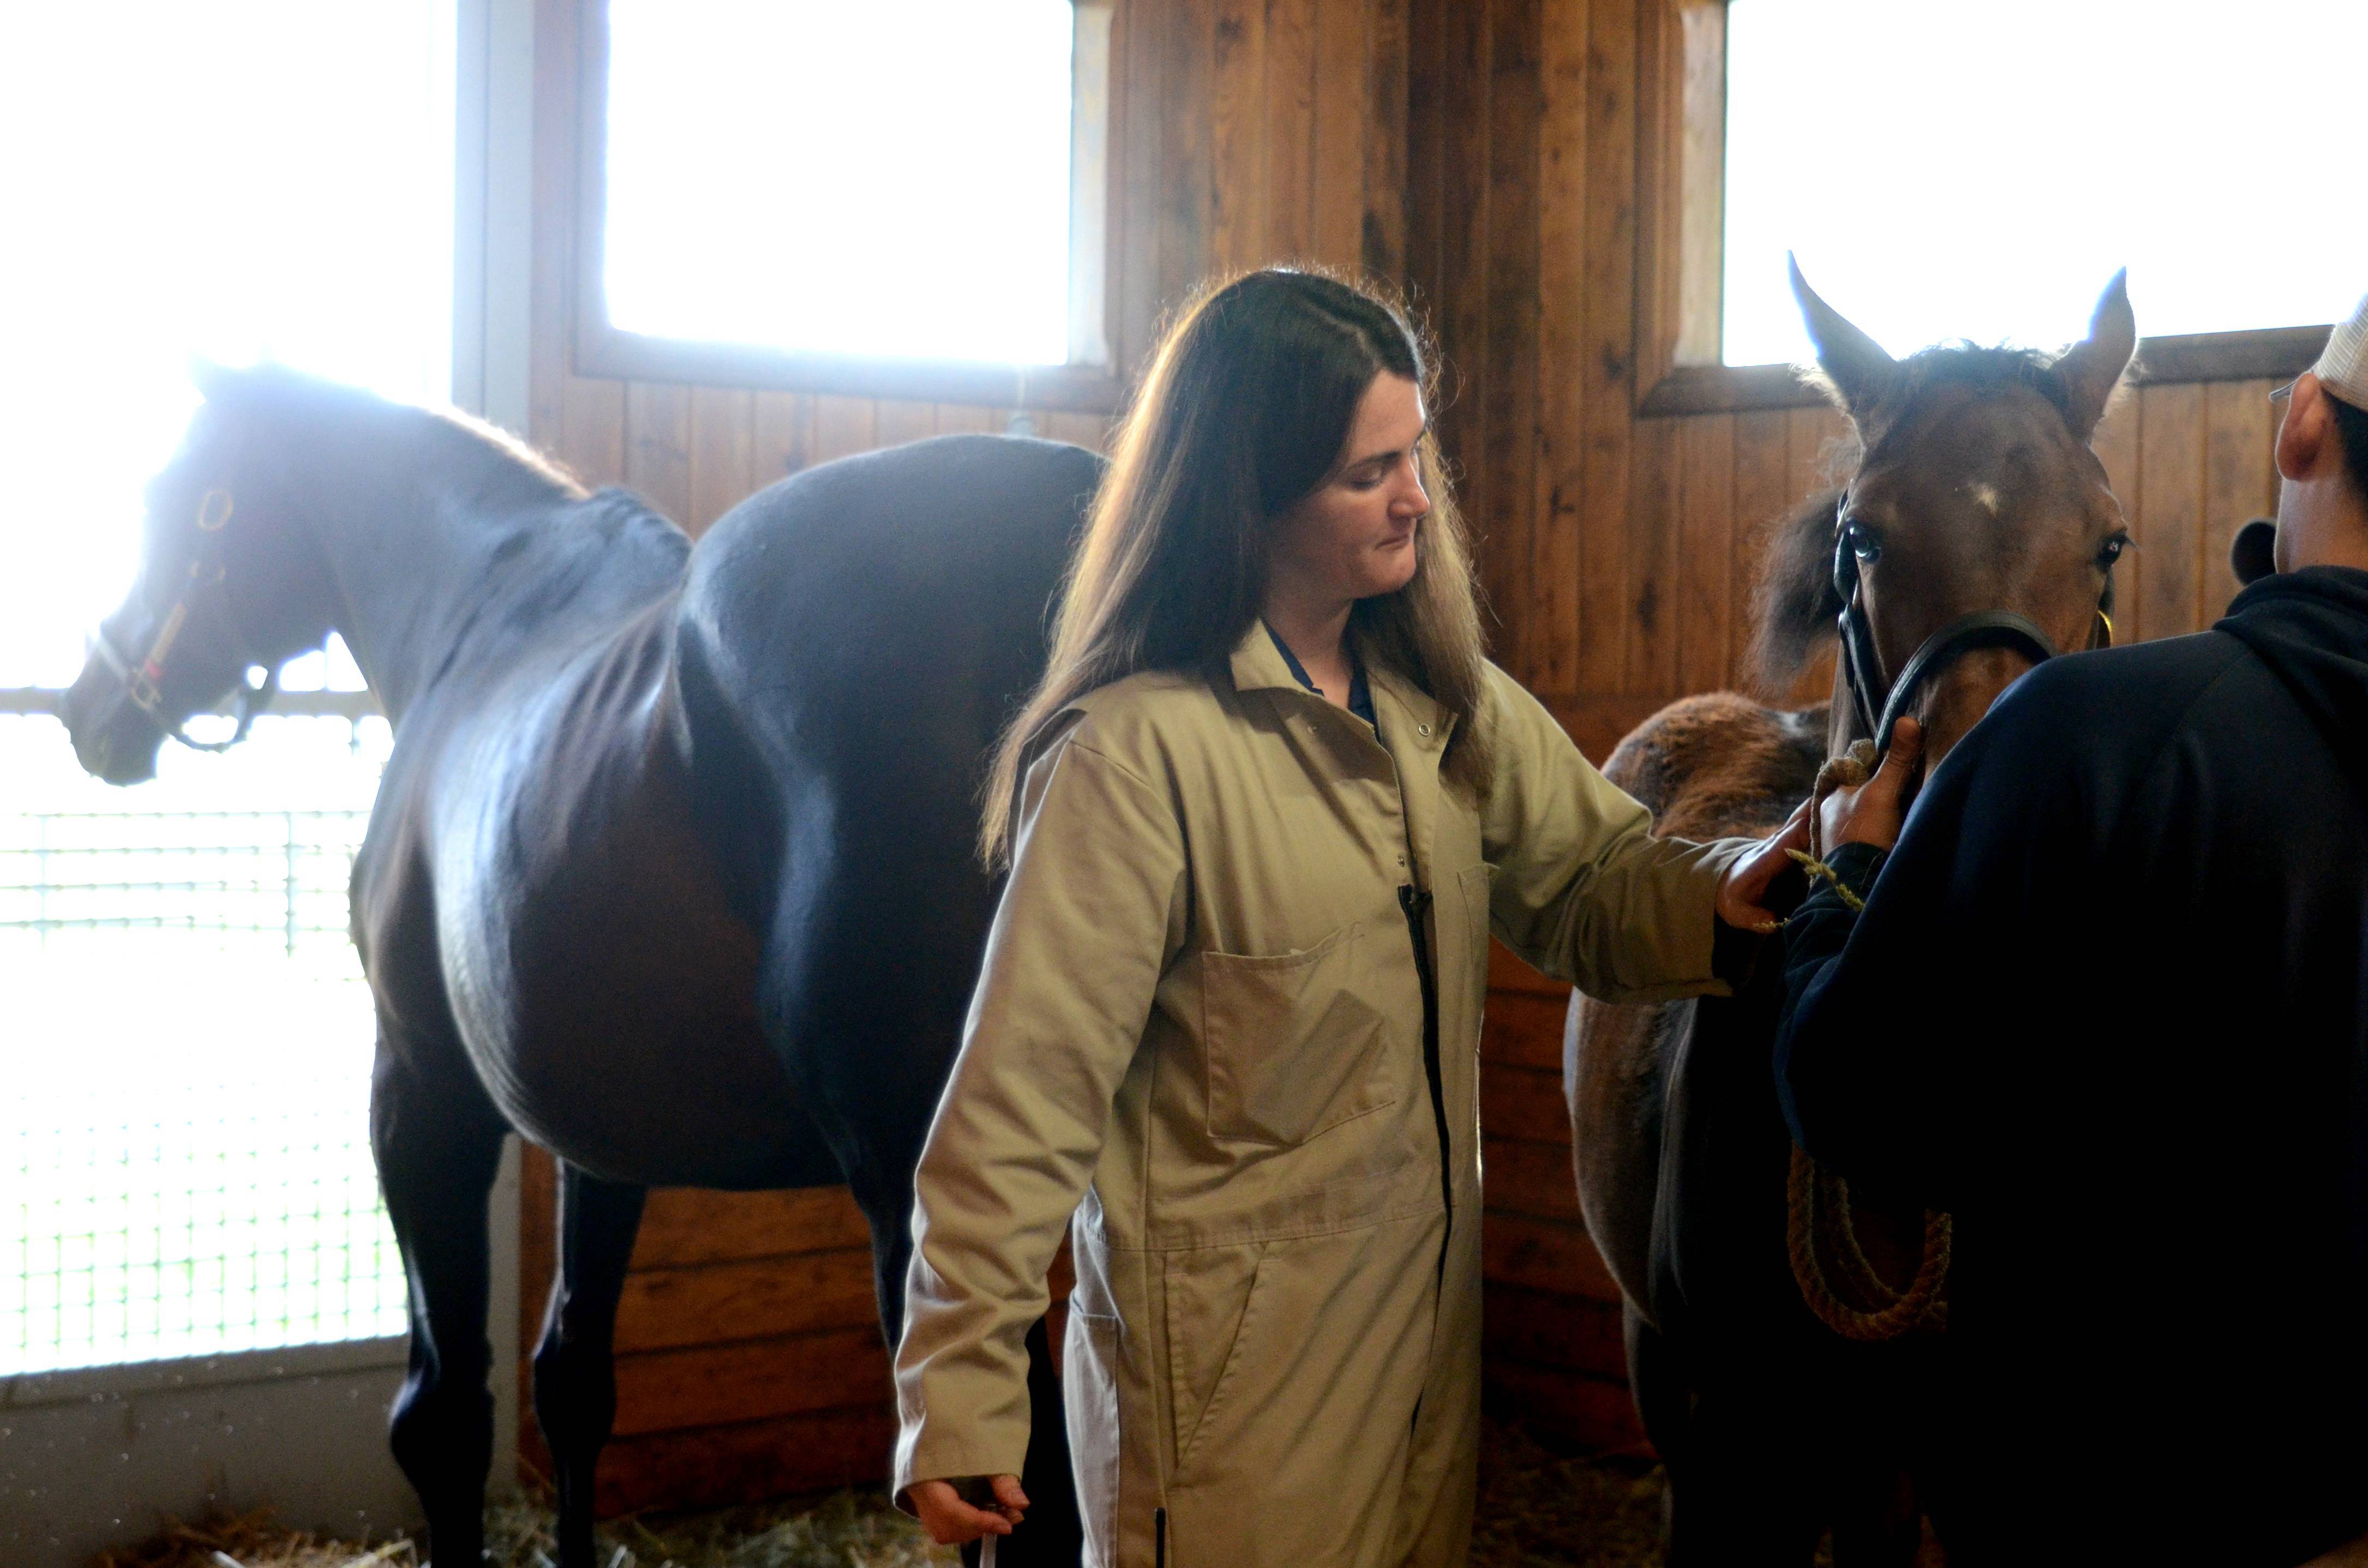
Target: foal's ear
{"type": "Point", "coordinates": [2092, 368]}
{"type": "Point", "coordinates": [1862, 374]}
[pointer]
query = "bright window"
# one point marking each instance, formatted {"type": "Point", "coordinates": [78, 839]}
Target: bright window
{"type": "Point", "coordinates": [184, 1164]}
{"type": "Point", "coordinates": [888, 181]}
{"type": "Point", "coordinates": [1979, 170]}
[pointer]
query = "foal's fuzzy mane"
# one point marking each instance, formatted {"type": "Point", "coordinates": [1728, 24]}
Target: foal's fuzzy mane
{"type": "Point", "coordinates": [1794, 605]}
{"type": "Point", "coordinates": [1980, 369]}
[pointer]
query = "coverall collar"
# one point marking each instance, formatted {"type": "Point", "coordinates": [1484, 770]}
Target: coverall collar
{"type": "Point", "coordinates": [1258, 664]}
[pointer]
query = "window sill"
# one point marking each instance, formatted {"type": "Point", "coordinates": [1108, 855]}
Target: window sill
{"type": "Point", "coordinates": [606, 351]}
{"type": "Point", "coordinates": [69, 1385]}
{"type": "Point", "coordinates": [2270, 354]}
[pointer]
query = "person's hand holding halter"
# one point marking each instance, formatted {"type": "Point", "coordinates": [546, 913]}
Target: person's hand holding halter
{"type": "Point", "coordinates": [1872, 812]}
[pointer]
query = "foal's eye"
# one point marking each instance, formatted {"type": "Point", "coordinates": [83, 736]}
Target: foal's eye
{"type": "Point", "coordinates": [1862, 542]}
{"type": "Point", "coordinates": [2113, 548]}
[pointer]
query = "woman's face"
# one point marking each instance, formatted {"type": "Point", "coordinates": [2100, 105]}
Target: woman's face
{"type": "Point", "coordinates": [1354, 537]}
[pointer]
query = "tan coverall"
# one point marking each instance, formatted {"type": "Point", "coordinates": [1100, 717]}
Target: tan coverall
{"type": "Point", "coordinates": [1201, 1031]}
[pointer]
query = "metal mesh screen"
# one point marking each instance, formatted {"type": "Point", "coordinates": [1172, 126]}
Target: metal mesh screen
{"type": "Point", "coordinates": [189, 1161]}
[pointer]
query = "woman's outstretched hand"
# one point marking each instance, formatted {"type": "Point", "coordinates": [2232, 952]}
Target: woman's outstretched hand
{"type": "Point", "coordinates": [1743, 891]}
{"type": "Point", "coordinates": [953, 1522]}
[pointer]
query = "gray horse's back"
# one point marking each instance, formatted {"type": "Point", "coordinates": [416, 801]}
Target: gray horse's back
{"type": "Point", "coordinates": [873, 621]}
{"type": "Point", "coordinates": [853, 641]}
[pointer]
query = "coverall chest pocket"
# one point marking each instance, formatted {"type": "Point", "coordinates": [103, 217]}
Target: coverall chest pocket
{"type": "Point", "coordinates": [1293, 1041]}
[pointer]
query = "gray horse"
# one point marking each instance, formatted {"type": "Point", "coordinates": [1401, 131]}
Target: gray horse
{"type": "Point", "coordinates": [671, 869]}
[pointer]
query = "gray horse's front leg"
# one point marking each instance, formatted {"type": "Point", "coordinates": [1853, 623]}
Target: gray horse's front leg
{"type": "Point", "coordinates": [574, 1375]}
{"type": "Point", "coordinates": [438, 1142]}
{"type": "Point", "coordinates": [1664, 1403]}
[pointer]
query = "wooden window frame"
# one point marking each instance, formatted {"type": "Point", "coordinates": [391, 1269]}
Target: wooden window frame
{"type": "Point", "coordinates": [1681, 192]}
{"type": "Point", "coordinates": [1090, 383]}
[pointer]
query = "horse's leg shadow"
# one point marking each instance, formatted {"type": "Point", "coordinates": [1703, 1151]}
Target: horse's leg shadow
{"type": "Point", "coordinates": [438, 1146]}
{"type": "Point", "coordinates": [1052, 1536]}
{"type": "Point", "coordinates": [1664, 1403]}
{"type": "Point", "coordinates": [1747, 1490]}
{"type": "Point", "coordinates": [575, 1376]}
{"type": "Point", "coordinates": [1055, 1537]}
{"type": "Point", "coordinates": [1877, 1520]}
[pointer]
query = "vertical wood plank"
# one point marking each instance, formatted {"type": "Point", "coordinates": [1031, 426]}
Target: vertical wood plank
{"type": "Point", "coordinates": [783, 442]}
{"type": "Point", "coordinates": [1290, 134]}
{"type": "Point", "coordinates": [1236, 118]}
{"type": "Point", "coordinates": [1426, 153]}
{"type": "Point", "coordinates": [1383, 239]}
{"type": "Point", "coordinates": [843, 425]}
{"type": "Point", "coordinates": [1086, 430]}
{"type": "Point", "coordinates": [551, 254]}
{"type": "Point", "coordinates": [1659, 114]}
{"type": "Point", "coordinates": [657, 445]}
{"type": "Point", "coordinates": [1141, 90]}
{"type": "Point", "coordinates": [1705, 565]}
{"type": "Point", "coordinates": [1763, 496]}
{"type": "Point", "coordinates": [591, 436]}
{"type": "Point", "coordinates": [1700, 34]}
{"type": "Point", "coordinates": [2171, 529]}
{"type": "Point", "coordinates": [1187, 216]}
{"type": "Point", "coordinates": [1510, 384]}
{"type": "Point", "coordinates": [2275, 423]}
{"type": "Point", "coordinates": [974, 418]}
{"type": "Point", "coordinates": [895, 421]}
{"type": "Point", "coordinates": [2115, 442]}
{"type": "Point", "coordinates": [1608, 390]}
{"type": "Point", "coordinates": [1652, 605]}
{"type": "Point", "coordinates": [722, 446]}
{"type": "Point", "coordinates": [1343, 118]}
{"type": "Point", "coordinates": [2239, 480]}
{"type": "Point", "coordinates": [1558, 561]}
{"type": "Point", "coordinates": [1460, 289]}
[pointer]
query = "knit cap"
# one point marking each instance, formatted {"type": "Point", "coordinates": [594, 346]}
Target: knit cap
{"type": "Point", "coordinates": [2343, 368]}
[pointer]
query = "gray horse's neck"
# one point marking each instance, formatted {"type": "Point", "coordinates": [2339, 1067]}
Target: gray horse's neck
{"type": "Point", "coordinates": [447, 553]}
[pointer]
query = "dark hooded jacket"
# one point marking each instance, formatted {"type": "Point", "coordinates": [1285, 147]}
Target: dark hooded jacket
{"type": "Point", "coordinates": [2108, 1003]}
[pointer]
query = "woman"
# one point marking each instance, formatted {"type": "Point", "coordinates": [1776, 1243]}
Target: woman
{"type": "Point", "coordinates": [1261, 818]}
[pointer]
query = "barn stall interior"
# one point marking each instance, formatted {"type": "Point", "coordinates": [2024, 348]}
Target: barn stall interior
{"type": "Point", "coordinates": [547, 211]}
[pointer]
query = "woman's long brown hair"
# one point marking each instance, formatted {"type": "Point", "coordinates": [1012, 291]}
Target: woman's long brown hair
{"type": "Point", "coordinates": [1242, 415]}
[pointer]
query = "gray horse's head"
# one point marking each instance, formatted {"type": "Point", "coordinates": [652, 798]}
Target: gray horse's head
{"type": "Point", "coordinates": [229, 588]}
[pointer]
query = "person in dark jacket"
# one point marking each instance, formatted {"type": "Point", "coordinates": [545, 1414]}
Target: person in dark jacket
{"type": "Point", "coordinates": [2107, 1003]}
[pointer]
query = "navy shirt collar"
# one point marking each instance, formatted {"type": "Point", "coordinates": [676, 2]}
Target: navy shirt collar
{"type": "Point", "coordinates": [1361, 695]}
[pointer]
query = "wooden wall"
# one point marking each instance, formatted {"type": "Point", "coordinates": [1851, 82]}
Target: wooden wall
{"type": "Point", "coordinates": [1617, 551]}
{"type": "Point", "coordinates": [1495, 157]}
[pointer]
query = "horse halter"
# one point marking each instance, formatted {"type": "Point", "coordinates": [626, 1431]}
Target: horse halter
{"type": "Point", "coordinates": [142, 680]}
{"type": "Point", "coordinates": [1982, 628]}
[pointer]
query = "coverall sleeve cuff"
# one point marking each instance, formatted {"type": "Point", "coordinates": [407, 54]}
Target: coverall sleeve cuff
{"type": "Point", "coordinates": [930, 1459]}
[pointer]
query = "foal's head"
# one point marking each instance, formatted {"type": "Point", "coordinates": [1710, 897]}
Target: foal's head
{"type": "Point", "coordinates": [1975, 490]}
{"type": "Point", "coordinates": [229, 588]}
